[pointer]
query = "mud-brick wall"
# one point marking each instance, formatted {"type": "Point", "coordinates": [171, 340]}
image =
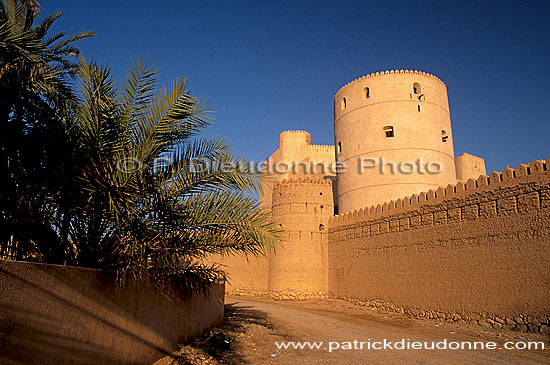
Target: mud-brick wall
{"type": "Point", "coordinates": [52, 314]}
{"type": "Point", "coordinates": [478, 251]}
{"type": "Point", "coordinates": [246, 275]}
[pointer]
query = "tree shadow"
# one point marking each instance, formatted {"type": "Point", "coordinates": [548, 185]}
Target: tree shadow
{"type": "Point", "coordinates": [219, 342]}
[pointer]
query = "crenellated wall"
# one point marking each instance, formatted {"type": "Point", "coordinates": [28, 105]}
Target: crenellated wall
{"type": "Point", "coordinates": [471, 252]}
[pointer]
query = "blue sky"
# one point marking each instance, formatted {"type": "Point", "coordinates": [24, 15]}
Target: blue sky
{"type": "Point", "coordinates": [269, 66]}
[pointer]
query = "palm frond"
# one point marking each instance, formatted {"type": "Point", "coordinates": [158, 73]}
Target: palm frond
{"type": "Point", "coordinates": [41, 29]}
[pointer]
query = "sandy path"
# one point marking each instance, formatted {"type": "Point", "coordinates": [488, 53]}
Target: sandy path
{"type": "Point", "coordinates": [336, 320]}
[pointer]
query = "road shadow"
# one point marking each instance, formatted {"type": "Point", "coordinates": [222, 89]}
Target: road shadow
{"type": "Point", "coordinates": [219, 342]}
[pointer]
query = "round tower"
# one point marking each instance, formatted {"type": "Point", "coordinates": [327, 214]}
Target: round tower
{"type": "Point", "coordinates": [299, 268]}
{"type": "Point", "coordinates": [392, 131]}
{"type": "Point", "coordinates": [293, 143]}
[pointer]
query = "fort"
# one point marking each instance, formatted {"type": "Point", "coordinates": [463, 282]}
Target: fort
{"type": "Point", "coordinates": [454, 245]}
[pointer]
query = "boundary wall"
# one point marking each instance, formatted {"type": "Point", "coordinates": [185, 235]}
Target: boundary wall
{"type": "Point", "coordinates": [473, 252]}
{"type": "Point", "coordinates": [52, 314]}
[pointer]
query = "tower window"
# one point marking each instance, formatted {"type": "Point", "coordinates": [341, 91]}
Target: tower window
{"type": "Point", "coordinates": [343, 104]}
{"type": "Point", "coordinates": [367, 93]}
{"type": "Point", "coordinates": [418, 107]}
{"type": "Point", "coordinates": [416, 88]}
{"type": "Point", "coordinates": [388, 130]}
{"type": "Point", "coordinates": [339, 148]}
{"type": "Point", "coordinates": [444, 136]}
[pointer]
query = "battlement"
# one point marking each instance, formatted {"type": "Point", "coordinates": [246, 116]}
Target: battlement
{"type": "Point", "coordinates": [322, 146]}
{"type": "Point", "coordinates": [302, 181]}
{"type": "Point", "coordinates": [484, 183]}
{"type": "Point", "coordinates": [296, 131]}
{"type": "Point", "coordinates": [289, 140]}
{"type": "Point", "coordinates": [390, 72]}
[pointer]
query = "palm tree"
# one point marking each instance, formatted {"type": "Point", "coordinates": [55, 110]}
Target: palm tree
{"type": "Point", "coordinates": [34, 73]}
{"type": "Point", "coordinates": [151, 196]}
{"type": "Point", "coordinates": [31, 61]}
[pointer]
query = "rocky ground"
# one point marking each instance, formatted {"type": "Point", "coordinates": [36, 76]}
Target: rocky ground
{"type": "Point", "coordinates": [253, 325]}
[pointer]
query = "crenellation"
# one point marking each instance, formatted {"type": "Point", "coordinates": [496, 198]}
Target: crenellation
{"type": "Point", "coordinates": [416, 201]}
{"type": "Point", "coordinates": [522, 170]}
{"type": "Point", "coordinates": [460, 187]}
{"type": "Point", "coordinates": [508, 174]}
{"type": "Point", "coordinates": [482, 180]}
{"type": "Point", "coordinates": [400, 203]}
{"type": "Point", "coordinates": [450, 191]}
{"type": "Point", "coordinates": [422, 197]}
{"type": "Point", "coordinates": [440, 194]}
{"type": "Point", "coordinates": [470, 186]}
{"type": "Point", "coordinates": [537, 166]}
{"type": "Point", "coordinates": [390, 72]}
{"type": "Point", "coordinates": [495, 178]}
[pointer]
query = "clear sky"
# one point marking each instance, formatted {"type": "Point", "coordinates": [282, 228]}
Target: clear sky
{"type": "Point", "coordinates": [269, 66]}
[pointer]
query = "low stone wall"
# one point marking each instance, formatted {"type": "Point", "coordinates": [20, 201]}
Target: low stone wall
{"type": "Point", "coordinates": [53, 314]}
{"type": "Point", "coordinates": [298, 295]}
{"type": "Point", "coordinates": [520, 322]}
{"type": "Point", "coordinates": [240, 291]}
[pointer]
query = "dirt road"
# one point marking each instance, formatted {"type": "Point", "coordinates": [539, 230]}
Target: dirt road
{"type": "Point", "coordinates": [339, 321]}
{"type": "Point", "coordinates": [255, 324]}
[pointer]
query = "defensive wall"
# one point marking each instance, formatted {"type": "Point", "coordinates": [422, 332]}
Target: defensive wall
{"type": "Point", "coordinates": [51, 314]}
{"type": "Point", "coordinates": [474, 252]}
{"type": "Point", "coordinates": [475, 248]}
